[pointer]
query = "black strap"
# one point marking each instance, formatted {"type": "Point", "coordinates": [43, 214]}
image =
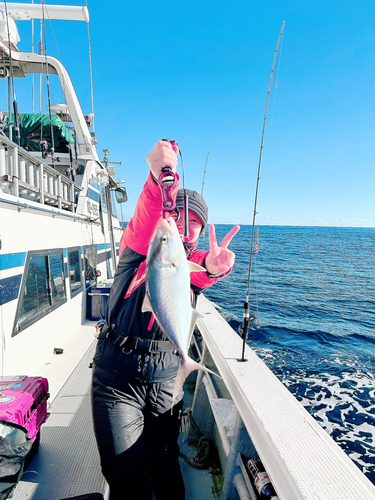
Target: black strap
{"type": "Point", "coordinates": [129, 344]}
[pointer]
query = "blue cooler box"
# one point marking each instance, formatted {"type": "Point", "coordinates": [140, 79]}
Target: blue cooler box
{"type": "Point", "coordinates": [97, 298]}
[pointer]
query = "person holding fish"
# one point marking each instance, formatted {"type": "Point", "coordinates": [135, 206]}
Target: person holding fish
{"type": "Point", "coordinates": [142, 361]}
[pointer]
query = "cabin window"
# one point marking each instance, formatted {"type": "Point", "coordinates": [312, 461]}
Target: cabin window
{"type": "Point", "coordinates": [42, 289]}
{"type": "Point", "coordinates": [103, 201]}
{"type": "Point", "coordinates": [56, 272]}
{"type": "Point", "coordinates": [90, 262]}
{"type": "Point", "coordinates": [74, 271]}
{"type": "Point", "coordinates": [36, 294]}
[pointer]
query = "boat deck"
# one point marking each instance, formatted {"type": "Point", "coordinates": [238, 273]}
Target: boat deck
{"type": "Point", "coordinates": [67, 464]}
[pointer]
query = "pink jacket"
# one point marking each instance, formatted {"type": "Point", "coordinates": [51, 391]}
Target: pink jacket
{"type": "Point", "coordinates": [141, 228]}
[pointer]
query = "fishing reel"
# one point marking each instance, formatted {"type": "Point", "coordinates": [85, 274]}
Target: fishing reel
{"type": "Point", "coordinates": [250, 321]}
{"type": "Point", "coordinates": [45, 152]}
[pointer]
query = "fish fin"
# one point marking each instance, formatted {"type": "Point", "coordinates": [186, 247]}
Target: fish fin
{"type": "Point", "coordinates": [187, 366]}
{"type": "Point", "coordinates": [207, 370]}
{"type": "Point", "coordinates": [195, 315]}
{"type": "Point", "coordinates": [195, 268]}
{"type": "Point", "coordinates": [146, 306]}
{"type": "Point", "coordinates": [177, 261]}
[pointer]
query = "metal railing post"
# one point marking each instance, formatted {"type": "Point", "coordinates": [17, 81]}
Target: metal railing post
{"type": "Point", "coordinates": [22, 169]}
{"type": "Point", "coordinates": [30, 174]}
{"type": "Point", "coordinates": [50, 183]}
{"type": "Point", "coordinates": [59, 191]}
{"type": "Point", "coordinates": [72, 197]}
{"type": "Point", "coordinates": [41, 183]}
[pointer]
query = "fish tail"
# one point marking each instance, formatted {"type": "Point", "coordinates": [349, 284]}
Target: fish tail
{"type": "Point", "coordinates": [187, 366]}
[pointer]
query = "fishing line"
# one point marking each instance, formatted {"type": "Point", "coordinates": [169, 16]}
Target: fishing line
{"type": "Point", "coordinates": [71, 175]}
{"type": "Point", "coordinates": [32, 51]}
{"type": "Point", "coordinates": [256, 279]}
{"type": "Point", "coordinates": [276, 85]}
{"type": "Point", "coordinates": [53, 33]}
{"type": "Point", "coordinates": [44, 41]}
{"type": "Point", "coordinates": [13, 90]}
{"type": "Point", "coordinates": [3, 117]}
{"type": "Point", "coordinates": [248, 319]}
{"type": "Point", "coordinates": [186, 202]}
{"type": "Point", "coordinates": [274, 103]}
{"type": "Point", "coordinates": [63, 82]}
{"type": "Point", "coordinates": [182, 165]}
{"type": "Point", "coordinates": [91, 77]}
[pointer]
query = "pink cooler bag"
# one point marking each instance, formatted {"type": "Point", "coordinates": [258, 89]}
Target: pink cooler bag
{"type": "Point", "coordinates": [23, 401]}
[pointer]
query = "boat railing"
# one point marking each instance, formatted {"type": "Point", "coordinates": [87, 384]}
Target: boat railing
{"type": "Point", "coordinates": [271, 424]}
{"type": "Point", "coordinates": [26, 176]}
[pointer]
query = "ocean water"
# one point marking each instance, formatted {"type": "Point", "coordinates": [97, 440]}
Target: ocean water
{"type": "Point", "coordinates": [313, 290]}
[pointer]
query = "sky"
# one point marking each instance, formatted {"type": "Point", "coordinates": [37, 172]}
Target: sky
{"type": "Point", "coordinates": [198, 72]}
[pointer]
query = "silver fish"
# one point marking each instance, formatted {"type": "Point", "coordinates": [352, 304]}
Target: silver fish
{"type": "Point", "coordinates": [168, 294]}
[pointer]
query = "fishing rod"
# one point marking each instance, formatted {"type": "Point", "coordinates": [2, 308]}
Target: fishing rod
{"type": "Point", "coordinates": [249, 319]}
{"type": "Point", "coordinates": [204, 173]}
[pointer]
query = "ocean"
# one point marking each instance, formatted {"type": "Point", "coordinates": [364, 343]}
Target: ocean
{"type": "Point", "coordinates": [313, 291]}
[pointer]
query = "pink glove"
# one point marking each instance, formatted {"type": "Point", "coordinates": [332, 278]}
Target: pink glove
{"type": "Point", "coordinates": [163, 154]}
{"type": "Point", "coordinates": [219, 259]}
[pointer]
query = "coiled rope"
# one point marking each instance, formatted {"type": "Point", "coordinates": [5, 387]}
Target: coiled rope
{"type": "Point", "coordinates": [206, 456]}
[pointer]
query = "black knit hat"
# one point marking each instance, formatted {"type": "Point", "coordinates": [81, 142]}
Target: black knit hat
{"type": "Point", "coordinates": [196, 204]}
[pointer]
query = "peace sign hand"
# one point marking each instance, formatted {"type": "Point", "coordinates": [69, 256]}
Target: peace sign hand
{"type": "Point", "coordinates": [219, 259]}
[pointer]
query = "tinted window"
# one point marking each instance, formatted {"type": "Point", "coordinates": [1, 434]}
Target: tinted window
{"type": "Point", "coordinates": [57, 278]}
{"type": "Point", "coordinates": [103, 200]}
{"type": "Point", "coordinates": [74, 271]}
{"type": "Point", "coordinates": [43, 287]}
{"type": "Point", "coordinates": [89, 258]}
{"type": "Point", "coordinates": [36, 296]}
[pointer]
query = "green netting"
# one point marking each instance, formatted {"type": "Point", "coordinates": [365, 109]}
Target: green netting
{"type": "Point", "coordinates": [36, 127]}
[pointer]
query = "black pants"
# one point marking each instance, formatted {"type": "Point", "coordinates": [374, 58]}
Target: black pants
{"type": "Point", "coordinates": [137, 434]}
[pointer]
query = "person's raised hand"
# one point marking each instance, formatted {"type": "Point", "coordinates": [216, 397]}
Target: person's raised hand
{"type": "Point", "coordinates": [220, 259]}
{"type": "Point", "coordinates": [163, 154]}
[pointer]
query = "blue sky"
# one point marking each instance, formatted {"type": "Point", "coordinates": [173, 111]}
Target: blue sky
{"type": "Point", "coordinates": [198, 72]}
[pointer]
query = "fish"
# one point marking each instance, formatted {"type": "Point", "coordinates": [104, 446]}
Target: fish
{"type": "Point", "coordinates": [168, 294]}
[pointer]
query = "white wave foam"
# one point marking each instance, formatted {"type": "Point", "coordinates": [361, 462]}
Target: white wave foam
{"type": "Point", "coordinates": [350, 395]}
